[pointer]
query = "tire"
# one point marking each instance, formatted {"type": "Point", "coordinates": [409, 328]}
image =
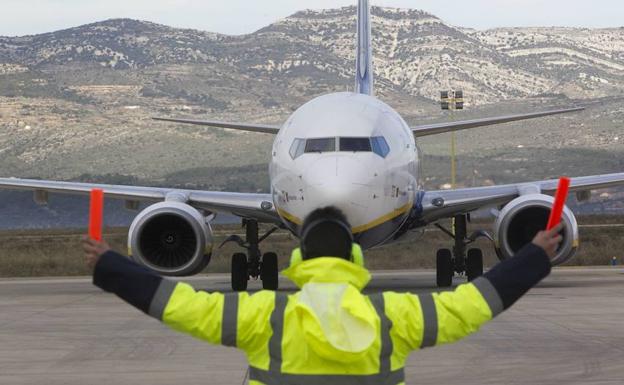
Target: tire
{"type": "Point", "coordinates": [444, 268]}
{"type": "Point", "coordinates": [240, 275]}
{"type": "Point", "coordinates": [268, 271]}
{"type": "Point", "coordinates": [474, 264]}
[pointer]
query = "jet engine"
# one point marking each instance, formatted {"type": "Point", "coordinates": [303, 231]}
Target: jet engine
{"type": "Point", "coordinates": [171, 238]}
{"type": "Point", "coordinates": [521, 219]}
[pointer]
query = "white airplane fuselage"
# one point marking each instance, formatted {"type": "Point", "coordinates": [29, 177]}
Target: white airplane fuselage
{"type": "Point", "coordinates": [351, 151]}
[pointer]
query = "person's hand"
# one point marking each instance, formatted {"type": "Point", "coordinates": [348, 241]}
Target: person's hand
{"type": "Point", "coordinates": [93, 250]}
{"type": "Point", "coordinates": [549, 240]}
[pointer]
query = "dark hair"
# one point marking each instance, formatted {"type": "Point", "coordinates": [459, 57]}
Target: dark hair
{"type": "Point", "coordinates": [326, 233]}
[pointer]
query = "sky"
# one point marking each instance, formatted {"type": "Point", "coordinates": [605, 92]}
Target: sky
{"type": "Point", "coordinates": [24, 17]}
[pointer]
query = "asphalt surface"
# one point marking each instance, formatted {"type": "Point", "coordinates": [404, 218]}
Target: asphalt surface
{"type": "Point", "coordinates": [66, 331]}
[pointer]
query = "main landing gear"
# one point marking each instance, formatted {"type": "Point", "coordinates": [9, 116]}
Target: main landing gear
{"type": "Point", "coordinates": [253, 264]}
{"type": "Point", "coordinates": [459, 260]}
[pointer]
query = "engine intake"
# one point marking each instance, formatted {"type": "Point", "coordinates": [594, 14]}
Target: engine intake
{"type": "Point", "coordinates": [171, 238]}
{"type": "Point", "coordinates": [521, 219]}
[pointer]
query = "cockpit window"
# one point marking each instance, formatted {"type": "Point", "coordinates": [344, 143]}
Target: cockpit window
{"type": "Point", "coordinates": [376, 144]}
{"type": "Point", "coordinates": [355, 144]}
{"type": "Point", "coordinates": [320, 145]}
{"type": "Point", "coordinates": [296, 149]}
{"type": "Point", "coordinates": [380, 146]}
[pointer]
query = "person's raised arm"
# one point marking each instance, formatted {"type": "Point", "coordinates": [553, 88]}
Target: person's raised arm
{"type": "Point", "coordinates": [232, 319]}
{"type": "Point", "coordinates": [114, 273]}
{"type": "Point", "coordinates": [432, 319]}
{"type": "Point", "coordinates": [174, 303]}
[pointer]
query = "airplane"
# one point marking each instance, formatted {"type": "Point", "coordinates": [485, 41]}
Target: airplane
{"type": "Point", "coordinates": [349, 150]}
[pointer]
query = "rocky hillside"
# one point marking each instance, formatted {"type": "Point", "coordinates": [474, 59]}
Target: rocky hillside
{"type": "Point", "coordinates": [416, 53]}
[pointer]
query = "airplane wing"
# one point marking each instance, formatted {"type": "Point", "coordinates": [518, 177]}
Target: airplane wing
{"type": "Point", "coordinates": [448, 203]}
{"type": "Point", "coordinates": [263, 128]}
{"type": "Point", "coordinates": [253, 206]}
{"type": "Point", "coordinates": [440, 128]}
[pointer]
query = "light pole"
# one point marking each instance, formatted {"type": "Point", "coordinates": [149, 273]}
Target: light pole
{"type": "Point", "coordinates": [452, 100]}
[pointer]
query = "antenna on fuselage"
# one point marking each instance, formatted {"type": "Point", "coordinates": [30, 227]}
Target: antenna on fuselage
{"type": "Point", "coordinates": [364, 54]}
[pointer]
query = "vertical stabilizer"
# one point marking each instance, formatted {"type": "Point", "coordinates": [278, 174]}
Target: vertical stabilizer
{"type": "Point", "coordinates": [364, 55]}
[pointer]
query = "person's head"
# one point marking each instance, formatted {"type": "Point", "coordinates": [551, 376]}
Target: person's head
{"type": "Point", "coordinates": [326, 233]}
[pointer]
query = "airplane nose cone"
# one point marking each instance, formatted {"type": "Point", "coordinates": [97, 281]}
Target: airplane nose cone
{"type": "Point", "coordinates": [337, 174]}
{"type": "Point", "coordinates": [342, 182]}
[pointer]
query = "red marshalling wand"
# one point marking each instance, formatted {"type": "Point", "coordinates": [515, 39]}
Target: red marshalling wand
{"type": "Point", "coordinates": [560, 199]}
{"type": "Point", "coordinates": [96, 214]}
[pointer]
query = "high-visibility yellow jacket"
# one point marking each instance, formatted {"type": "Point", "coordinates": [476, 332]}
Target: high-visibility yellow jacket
{"type": "Point", "coordinates": [328, 332]}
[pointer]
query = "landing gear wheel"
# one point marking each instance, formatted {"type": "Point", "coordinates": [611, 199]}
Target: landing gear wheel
{"type": "Point", "coordinates": [268, 271]}
{"type": "Point", "coordinates": [240, 274]}
{"type": "Point", "coordinates": [444, 268]}
{"type": "Point", "coordinates": [474, 264]}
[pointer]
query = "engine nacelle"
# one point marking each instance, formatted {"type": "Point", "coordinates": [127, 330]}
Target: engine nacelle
{"type": "Point", "coordinates": [521, 219]}
{"type": "Point", "coordinates": [171, 238]}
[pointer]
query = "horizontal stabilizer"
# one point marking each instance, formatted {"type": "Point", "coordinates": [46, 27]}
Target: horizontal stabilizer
{"type": "Point", "coordinates": [440, 128]}
{"type": "Point", "coordinates": [266, 129]}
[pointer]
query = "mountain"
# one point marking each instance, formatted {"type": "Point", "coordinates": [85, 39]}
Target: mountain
{"type": "Point", "coordinates": [416, 53]}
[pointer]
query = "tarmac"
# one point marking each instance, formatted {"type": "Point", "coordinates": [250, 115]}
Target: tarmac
{"type": "Point", "coordinates": [66, 331]}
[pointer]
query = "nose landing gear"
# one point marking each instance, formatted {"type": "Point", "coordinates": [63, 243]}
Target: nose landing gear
{"type": "Point", "coordinates": [253, 264]}
{"type": "Point", "coordinates": [459, 260]}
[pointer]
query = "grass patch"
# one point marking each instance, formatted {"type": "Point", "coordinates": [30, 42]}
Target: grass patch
{"type": "Point", "coordinates": [28, 253]}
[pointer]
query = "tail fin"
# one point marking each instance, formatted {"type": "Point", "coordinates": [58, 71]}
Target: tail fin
{"type": "Point", "coordinates": [364, 55]}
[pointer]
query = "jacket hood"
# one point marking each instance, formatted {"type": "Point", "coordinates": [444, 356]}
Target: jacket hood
{"type": "Point", "coordinates": [328, 270]}
{"type": "Point", "coordinates": [337, 321]}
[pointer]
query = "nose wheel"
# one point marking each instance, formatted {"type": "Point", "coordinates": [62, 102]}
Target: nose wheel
{"type": "Point", "coordinates": [253, 265]}
{"type": "Point", "coordinates": [459, 260]}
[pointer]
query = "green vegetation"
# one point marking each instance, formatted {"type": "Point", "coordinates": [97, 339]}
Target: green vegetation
{"type": "Point", "coordinates": [34, 84]}
{"type": "Point", "coordinates": [57, 252]}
